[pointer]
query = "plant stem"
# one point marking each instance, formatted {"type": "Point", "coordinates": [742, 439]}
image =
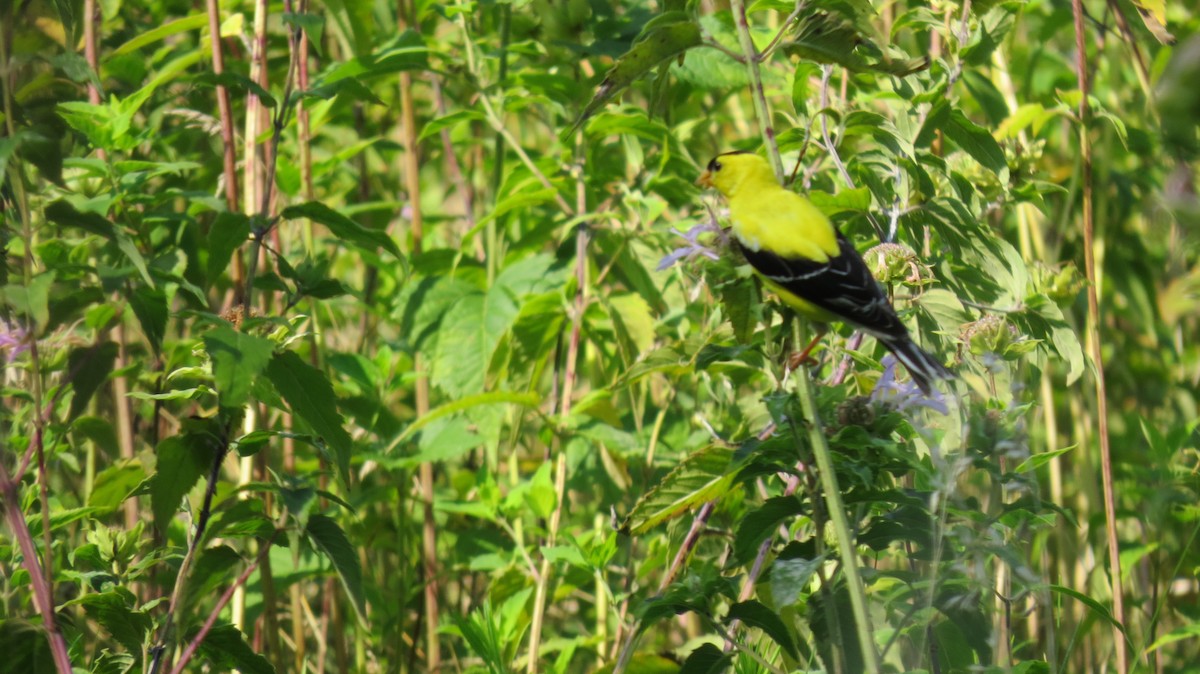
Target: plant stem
{"type": "Point", "coordinates": [699, 522]}
{"type": "Point", "coordinates": [411, 168]}
{"type": "Point", "coordinates": [833, 496]}
{"type": "Point", "coordinates": [187, 654]}
{"type": "Point", "coordinates": [1093, 328]}
{"type": "Point", "coordinates": [756, 87]}
{"type": "Point", "coordinates": [837, 516]}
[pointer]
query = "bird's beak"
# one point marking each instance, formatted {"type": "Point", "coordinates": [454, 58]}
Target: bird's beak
{"type": "Point", "coordinates": [705, 179]}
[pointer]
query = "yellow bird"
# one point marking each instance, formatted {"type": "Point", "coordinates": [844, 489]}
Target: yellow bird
{"type": "Point", "coordinates": [804, 259]}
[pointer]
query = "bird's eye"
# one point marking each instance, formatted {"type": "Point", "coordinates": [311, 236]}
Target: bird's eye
{"type": "Point", "coordinates": [714, 165]}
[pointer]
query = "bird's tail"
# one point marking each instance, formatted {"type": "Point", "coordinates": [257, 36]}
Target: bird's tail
{"type": "Point", "coordinates": [924, 368]}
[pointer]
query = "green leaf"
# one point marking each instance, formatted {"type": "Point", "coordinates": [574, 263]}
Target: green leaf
{"type": "Point", "coordinates": [237, 360]}
{"type": "Point", "coordinates": [226, 648]}
{"type": "Point", "coordinates": [143, 38]}
{"type": "Point", "coordinates": [115, 483]}
{"type": "Point", "coordinates": [308, 392]}
{"type": "Point", "coordinates": [238, 83]}
{"type": "Point", "coordinates": [490, 398]}
{"type": "Point", "coordinates": [32, 300]}
{"type": "Point", "coordinates": [977, 142]}
{"type": "Point", "coordinates": [757, 615]}
{"type": "Point", "coordinates": [706, 659]}
{"type": "Point", "coordinates": [1188, 631]}
{"type": "Point", "coordinates": [657, 45]}
{"type": "Point", "coordinates": [1040, 459]}
{"type": "Point", "coordinates": [329, 538]}
{"type": "Point", "coordinates": [90, 367]}
{"type": "Point", "coordinates": [704, 476]}
{"type": "Point", "coordinates": [449, 121]}
{"type": "Point", "coordinates": [349, 88]}
{"type": "Point", "coordinates": [343, 227]}
{"type": "Point", "coordinates": [181, 461]}
{"type": "Point", "coordinates": [25, 647]}
{"type": "Point", "coordinates": [790, 578]}
{"type": "Point", "coordinates": [214, 567]}
{"type": "Point", "coordinates": [1094, 605]}
{"type": "Point", "coordinates": [150, 307]}
{"type": "Point", "coordinates": [228, 232]}
{"type": "Point", "coordinates": [760, 525]}
{"type": "Point", "coordinates": [114, 612]}
{"type": "Point", "coordinates": [468, 337]}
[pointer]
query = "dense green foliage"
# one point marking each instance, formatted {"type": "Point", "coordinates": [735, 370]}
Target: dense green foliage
{"type": "Point", "coordinates": [404, 340]}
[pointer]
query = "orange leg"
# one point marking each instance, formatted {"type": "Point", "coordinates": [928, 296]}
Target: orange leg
{"type": "Point", "coordinates": [803, 358]}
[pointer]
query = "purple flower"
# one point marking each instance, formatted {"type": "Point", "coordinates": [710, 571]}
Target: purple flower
{"type": "Point", "coordinates": [14, 340]}
{"type": "Point", "coordinates": [904, 397]}
{"type": "Point", "coordinates": [693, 247]}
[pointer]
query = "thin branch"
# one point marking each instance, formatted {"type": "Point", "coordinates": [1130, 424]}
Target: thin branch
{"type": "Point", "coordinates": [42, 594]}
{"type": "Point", "coordinates": [190, 651]}
{"type": "Point", "coordinates": [831, 150]}
{"type": "Point", "coordinates": [783, 27]}
{"type": "Point", "coordinates": [756, 87]}
{"type": "Point", "coordinates": [163, 646]}
{"type": "Point", "coordinates": [699, 523]}
{"type": "Point", "coordinates": [1093, 327]}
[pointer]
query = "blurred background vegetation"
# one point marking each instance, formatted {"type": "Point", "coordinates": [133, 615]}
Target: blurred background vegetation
{"type": "Point", "coordinates": [391, 337]}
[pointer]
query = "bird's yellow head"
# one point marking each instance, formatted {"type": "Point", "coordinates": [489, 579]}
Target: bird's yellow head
{"type": "Point", "coordinates": [733, 172]}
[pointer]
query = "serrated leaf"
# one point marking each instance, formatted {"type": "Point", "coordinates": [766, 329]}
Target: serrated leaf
{"type": "Point", "coordinates": [329, 538]}
{"type": "Point", "coordinates": [214, 566]}
{"type": "Point", "coordinates": [114, 611]}
{"type": "Point", "coordinates": [115, 483]}
{"type": "Point", "coordinates": [180, 464]}
{"type": "Point", "coordinates": [704, 476]}
{"type": "Point", "coordinates": [238, 83]}
{"type": "Point", "coordinates": [225, 646]}
{"type": "Point", "coordinates": [755, 614]}
{"type": "Point", "coordinates": [789, 579]}
{"type": "Point", "coordinates": [976, 141]}
{"type": "Point", "coordinates": [310, 395]}
{"type": "Point", "coordinates": [237, 360]}
{"type": "Point", "coordinates": [343, 227]}
{"type": "Point", "coordinates": [760, 524]}
{"type": "Point", "coordinates": [25, 647]}
{"type": "Point", "coordinates": [657, 45]}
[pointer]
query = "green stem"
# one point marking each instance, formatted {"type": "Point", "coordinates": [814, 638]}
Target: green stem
{"type": "Point", "coordinates": [756, 87]}
{"type": "Point", "coordinates": [837, 517]}
{"type": "Point", "coordinates": [804, 386]}
{"type": "Point", "coordinates": [1093, 329]}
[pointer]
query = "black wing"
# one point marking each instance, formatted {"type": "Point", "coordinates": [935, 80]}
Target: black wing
{"type": "Point", "coordinates": [842, 286]}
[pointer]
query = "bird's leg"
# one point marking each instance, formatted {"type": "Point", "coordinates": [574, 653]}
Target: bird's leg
{"type": "Point", "coordinates": [803, 357]}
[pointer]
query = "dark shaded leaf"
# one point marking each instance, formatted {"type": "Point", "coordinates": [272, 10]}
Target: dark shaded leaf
{"type": "Point", "coordinates": [150, 307]}
{"type": "Point", "coordinates": [90, 367]}
{"type": "Point", "coordinates": [757, 615]}
{"type": "Point", "coordinates": [229, 231]}
{"type": "Point", "coordinates": [329, 538]}
{"type": "Point", "coordinates": [225, 646]}
{"type": "Point", "coordinates": [310, 395]}
{"type": "Point", "coordinates": [237, 359]}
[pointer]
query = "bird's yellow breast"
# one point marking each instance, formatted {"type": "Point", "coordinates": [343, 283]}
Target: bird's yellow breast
{"type": "Point", "coordinates": [782, 222]}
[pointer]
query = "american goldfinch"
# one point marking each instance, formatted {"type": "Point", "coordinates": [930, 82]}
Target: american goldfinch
{"type": "Point", "coordinates": [804, 259]}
